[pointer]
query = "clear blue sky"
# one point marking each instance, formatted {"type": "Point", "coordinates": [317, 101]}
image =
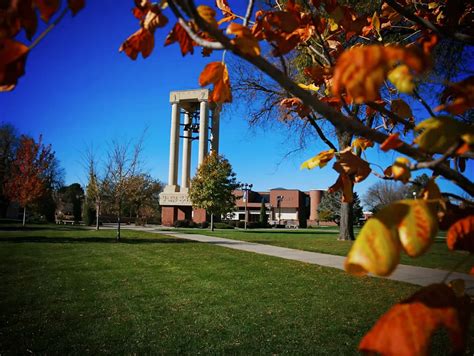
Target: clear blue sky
{"type": "Point", "coordinates": [79, 90]}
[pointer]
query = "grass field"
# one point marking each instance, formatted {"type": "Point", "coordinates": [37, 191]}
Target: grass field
{"type": "Point", "coordinates": [324, 240]}
{"type": "Point", "coordinates": [66, 290]}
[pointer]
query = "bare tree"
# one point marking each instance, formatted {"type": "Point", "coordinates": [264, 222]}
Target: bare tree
{"type": "Point", "coordinates": [122, 164]}
{"type": "Point", "coordinates": [383, 193]}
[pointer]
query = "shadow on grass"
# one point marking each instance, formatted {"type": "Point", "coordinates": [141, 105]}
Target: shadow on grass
{"type": "Point", "coordinates": [65, 240]}
{"type": "Point", "coordinates": [42, 227]}
{"type": "Point", "coordinates": [286, 232]}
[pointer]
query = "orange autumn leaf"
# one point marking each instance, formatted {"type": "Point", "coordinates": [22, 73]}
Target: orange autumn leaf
{"type": "Point", "coordinates": [320, 160]}
{"type": "Point", "coordinates": [179, 34]}
{"type": "Point", "coordinates": [47, 8]}
{"type": "Point", "coordinates": [244, 39]}
{"type": "Point", "coordinates": [296, 105]}
{"type": "Point", "coordinates": [344, 184]}
{"type": "Point", "coordinates": [208, 14]}
{"type": "Point", "coordinates": [407, 328]}
{"type": "Point", "coordinates": [141, 41]}
{"type": "Point", "coordinates": [391, 142]}
{"type": "Point", "coordinates": [352, 165]}
{"type": "Point", "coordinates": [461, 235]}
{"type": "Point", "coordinates": [458, 97]}
{"type": "Point", "coordinates": [360, 71]}
{"type": "Point", "coordinates": [154, 19]}
{"type": "Point", "coordinates": [216, 73]}
{"type": "Point", "coordinates": [12, 63]}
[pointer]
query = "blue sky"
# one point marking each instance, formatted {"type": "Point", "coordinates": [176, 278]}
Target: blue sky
{"type": "Point", "coordinates": [80, 91]}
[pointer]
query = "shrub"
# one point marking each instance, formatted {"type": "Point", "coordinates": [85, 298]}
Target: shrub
{"type": "Point", "coordinates": [181, 223]}
{"type": "Point", "coordinates": [204, 225]}
{"type": "Point", "coordinates": [221, 225]}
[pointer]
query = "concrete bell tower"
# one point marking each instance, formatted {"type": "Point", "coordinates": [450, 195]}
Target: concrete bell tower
{"type": "Point", "coordinates": [200, 122]}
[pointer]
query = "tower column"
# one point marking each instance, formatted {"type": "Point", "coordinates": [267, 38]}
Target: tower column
{"type": "Point", "coordinates": [174, 145]}
{"type": "Point", "coordinates": [203, 130]}
{"type": "Point", "coordinates": [187, 144]}
{"type": "Point", "coordinates": [215, 129]}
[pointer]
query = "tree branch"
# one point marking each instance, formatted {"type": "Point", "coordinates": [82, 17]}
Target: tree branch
{"type": "Point", "coordinates": [339, 120]}
{"type": "Point", "coordinates": [249, 12]}
{"type": "Point", "coordinates": [425, 23]}
{"type": "Point", "coordinates": [312, 121]}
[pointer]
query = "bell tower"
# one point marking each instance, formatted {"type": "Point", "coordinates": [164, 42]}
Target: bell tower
{"type": "Point", "coordinates": [192, 118]}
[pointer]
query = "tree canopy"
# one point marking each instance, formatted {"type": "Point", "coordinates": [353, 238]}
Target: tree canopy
{"type": "Point", "coordinates": [213, 185]}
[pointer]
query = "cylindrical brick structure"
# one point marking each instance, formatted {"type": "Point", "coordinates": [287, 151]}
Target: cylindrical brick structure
{"type": "Point", "coordinates": [315, 197]}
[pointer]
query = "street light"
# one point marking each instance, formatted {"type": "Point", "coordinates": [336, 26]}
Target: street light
{"type": "Point", "coordinates": [279, 199]}
{"type": "Point", "coordinates": [414, 195]}
{"type": "Point", "coordinates": [246, 188]}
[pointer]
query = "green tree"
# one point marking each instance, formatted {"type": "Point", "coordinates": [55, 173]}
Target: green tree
{"type": "Point", "coordinates": [330, 208]}
{"type": "Point", "coordinates": [263, 219]}
{"type": "Point", "coordinates": [73, 194]}
{"type": "Point", "coordinates": [213, 185]}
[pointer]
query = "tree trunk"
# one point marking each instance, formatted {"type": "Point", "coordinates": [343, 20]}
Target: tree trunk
{"type": "Point", "coordinates": [97, 214]}
{"type": "Point", "coordinates": [118, 228]}
{"type": "Point", "coordinates": [24, 215]}
{"type": "Point", "coordinates": [212, 222]}
{"type": "Point", "coordinates": [346, 228]}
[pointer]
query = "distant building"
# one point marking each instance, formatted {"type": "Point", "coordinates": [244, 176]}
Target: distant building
{"type": "Point", "coordinates": [289, 207]}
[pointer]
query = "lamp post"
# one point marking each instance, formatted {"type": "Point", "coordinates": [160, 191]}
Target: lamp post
{"type": "Point", "coordinates": [279, 199]}
{"type": "Point", "coordinates": [246, 188]}
{"type": "Point", "coordinates": [414, 195]}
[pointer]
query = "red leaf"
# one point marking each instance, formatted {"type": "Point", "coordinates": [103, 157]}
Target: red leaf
{"type": "Point", "coordinates": [461, 235]}
{"type": "Point", "coordinates": [391, 142]}
{"type": "Point", "coordinates": [141, 41]}
{"type": "Point", "coordinates": [12, 63]}
{"type": "Point", "coordinates": [47, 8]}
{"type": "Point", "coordinates": [406, 329]}
{"type": "Point", "coordinates": [76, 5]}
{"type": "Point", "coordinates": [179, 34]}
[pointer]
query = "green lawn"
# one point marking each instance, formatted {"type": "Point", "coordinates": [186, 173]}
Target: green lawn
{"type": "Point", "coordinates": [67, 290]}
{"type": "Point", "coordinates": [324, 240]}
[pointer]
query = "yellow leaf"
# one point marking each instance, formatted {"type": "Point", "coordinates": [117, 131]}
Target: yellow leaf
{"type": "Point", "coordinates": [402, 79]}
{"type": "Point", "coordinates": [333, 26]}
{"type": "Point", "coordinates": [362, 143]}
{"type": "Point", "coordinates": [308, 87]}
{"type": "Point", "coordinates": [376, 24]}
{"type": "Point", "coordinates": [320, 160]}
{"type": "Point", "coordinates": [376, 250]}
{"type": "Point", "coordinates": [432, 5]}
{"type": "Point", "coordinates": [400, 170]}
{"type": "Point", "coordinates": [440, 133]}
{"type": "Point", "coordinates": [417, 227]}
{"type": "Point", "coordinates": [208, 14]}
{"type": "Point", "coordinates": [407, 224]}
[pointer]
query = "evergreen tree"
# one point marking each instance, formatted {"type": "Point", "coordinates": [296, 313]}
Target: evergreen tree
{"type": "Point", "coordinates": [263, 219]}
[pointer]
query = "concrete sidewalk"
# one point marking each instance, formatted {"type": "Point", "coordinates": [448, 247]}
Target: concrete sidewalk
{"type": "Point", "coordinates": [415, 275]}
{"type": "Point", "coordinates": [410, 274]}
